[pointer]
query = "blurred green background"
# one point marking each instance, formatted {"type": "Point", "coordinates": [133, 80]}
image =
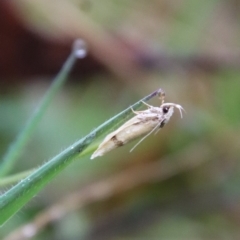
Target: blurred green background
{"type": "Point", "coordinates": [182, 183]}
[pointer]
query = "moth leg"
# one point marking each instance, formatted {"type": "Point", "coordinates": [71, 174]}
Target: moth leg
{"type": "Point", "coordinates": [136, 112]}
{"type": "Point", "coordinates": [146, 104]}
{"type": "Point", "coordinates": [161, 125]}
{"type": "Point", "coordinates": [161, 95]}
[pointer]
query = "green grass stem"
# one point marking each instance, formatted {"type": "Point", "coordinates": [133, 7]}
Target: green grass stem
{"type": "Point", "coordinates": [16, 197]}
{"type": "Point", "coordinates": [16, 148]}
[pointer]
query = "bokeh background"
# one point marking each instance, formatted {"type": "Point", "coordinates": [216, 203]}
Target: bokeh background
{"type": "Point", "coordinates": [182, 183]}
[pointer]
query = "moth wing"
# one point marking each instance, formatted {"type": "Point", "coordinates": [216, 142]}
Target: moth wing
{"type": "Point", "coordinates": [107, 143]}
{"type": "Point", "coordinates": [136, 126]}
{"type": "Point", "coordinates": [130, 122]}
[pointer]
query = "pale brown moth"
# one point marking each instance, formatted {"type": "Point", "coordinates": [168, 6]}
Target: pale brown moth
{"type": "Point", "coordinates": [144, 123]}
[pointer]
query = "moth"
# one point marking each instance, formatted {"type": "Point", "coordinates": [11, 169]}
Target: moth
{"type": "Point", "coordinates": [143, 123]}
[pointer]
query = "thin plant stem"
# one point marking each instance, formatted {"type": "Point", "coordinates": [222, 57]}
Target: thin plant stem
{"type": "Point", "coordinates": [16, 197]}
{"type": "Point", "coordinates": [16, 148]}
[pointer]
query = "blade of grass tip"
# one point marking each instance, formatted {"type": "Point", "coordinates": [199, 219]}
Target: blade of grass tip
{"type": "Point", "coordinates": [15, 149]}
{"type": "Point", "coordinates": [16, 197]}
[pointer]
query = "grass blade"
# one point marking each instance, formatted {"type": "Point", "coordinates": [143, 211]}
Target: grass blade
{"type": "Point", "coordinates": [17, 146]}
{"type": "Point", "coordinates": [15, 198]}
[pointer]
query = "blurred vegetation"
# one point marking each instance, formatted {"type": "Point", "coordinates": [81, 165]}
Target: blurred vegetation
{"type": "Point", "coordinates": [182, 183]}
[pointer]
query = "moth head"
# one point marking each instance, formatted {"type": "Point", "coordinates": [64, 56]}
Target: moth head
{"type": "Point", "coordinates": [168, 109]}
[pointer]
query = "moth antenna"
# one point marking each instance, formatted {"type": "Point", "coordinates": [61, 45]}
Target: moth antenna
{"type": "Point", "coordinates": [145, 137]}
{"type": "Point", "coordinates": [180, 108]}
